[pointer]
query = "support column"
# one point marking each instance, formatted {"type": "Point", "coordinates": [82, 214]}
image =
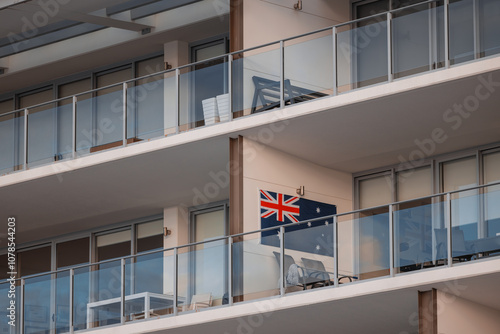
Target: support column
{"type": "Point", "coordinates": [236, 210]}
{"type": "Point", "coordinates": [176, 53]}
{"type": "Point", "coordinates": [175, 219]}
{"type": "Point", "coordinates": [427, 312]}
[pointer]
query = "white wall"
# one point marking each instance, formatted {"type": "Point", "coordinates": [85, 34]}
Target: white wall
{"type": "Point", "coordinates": [266, 168]}
{"type": "Point", "coordinates": [461, 316]}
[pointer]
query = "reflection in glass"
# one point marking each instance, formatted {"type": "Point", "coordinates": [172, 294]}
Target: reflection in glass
{"type": "Point", "coordinates": [362, 53]}
{"type": "Point", "coordinates": [364, 244]}
{"type": "Point", "coordinates": [420, 235]}
{"type": "Point", "coordinates": [11, 142]}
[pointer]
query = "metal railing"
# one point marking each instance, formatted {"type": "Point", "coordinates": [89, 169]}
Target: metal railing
{"type": "Point", "coordinates": [348, 56]}
{"type": "Point", "coordinates": [256, 264]}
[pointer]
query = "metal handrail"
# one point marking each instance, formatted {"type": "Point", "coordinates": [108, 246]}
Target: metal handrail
{"type": "Point", "coordinates": [257, 231]}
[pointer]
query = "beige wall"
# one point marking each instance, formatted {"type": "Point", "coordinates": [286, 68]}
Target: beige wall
{"type": "Point", "coordinates": [460, 316]}
{"type": "Point", "coordinates": [269, 169]}
{"type": "Point", "coordinates": [176, 220]}
{"type": "Point", "coordinates": [271, 20]}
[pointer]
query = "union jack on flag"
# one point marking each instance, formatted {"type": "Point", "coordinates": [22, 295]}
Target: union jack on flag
{"type": "Point", "coordinates": [282, 205]}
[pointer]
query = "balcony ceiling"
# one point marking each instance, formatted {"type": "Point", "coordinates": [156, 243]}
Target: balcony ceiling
{"type": "Point", "coordinates": [67, 64]}
{"type": "Point", "coordinates": [15, 16]}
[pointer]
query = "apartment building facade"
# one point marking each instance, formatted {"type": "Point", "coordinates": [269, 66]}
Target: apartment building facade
{"type": "Point", "coordinates": [249, 166]}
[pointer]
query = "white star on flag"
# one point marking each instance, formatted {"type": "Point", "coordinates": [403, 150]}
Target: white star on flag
{"type": "Point", "coordinates": [309, 224]}
{"type": "Point", "coordinates": [318, 210]}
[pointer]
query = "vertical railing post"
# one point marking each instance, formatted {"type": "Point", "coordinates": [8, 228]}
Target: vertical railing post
{"type": "Point", "coordinates": [282, 260]}
{"type": "Point", "coordinates": [230, 85]}
{"type": "Point", "coordinates": [432, 34]}
{"type": "Point", "coordinates": [448, 228]}
{"type": "Point", "coordinates": [391, 240]}
{"type": "Point", "coordinates": [177, 100]}
{"type": "Point", "coordinates": [447, 33]}
{"type": "Point", "coordinates": [230, 270]}
{"type": "Point", "coordinates": [25, 156]}
{"type": "Point", "coordinates": [282, 75]}
{"type": "Point", "coordinates": [334, 37]}
{"type": "Point", "coordinates": [73, 142]}
{"type": "Point", "coordinates": [176, 269]}
{"type": "Point", "coordinates": [389, 47]}
{"type": "Point", "coordinates": [122, 295]}
{"type": "Point", "coordinates": [125, 114]}
{"type": "Point", "coordinates": [335, 251]}
{"type": "Point", "coordinates": [21, 311]}
{"type": "Point", "coordinates": [475, 20]}
{"type": "Point", "coordinates": [71, 300]}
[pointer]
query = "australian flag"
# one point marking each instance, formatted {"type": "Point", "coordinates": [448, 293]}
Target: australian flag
{"type": "Point", "coordinates": [315, 236]}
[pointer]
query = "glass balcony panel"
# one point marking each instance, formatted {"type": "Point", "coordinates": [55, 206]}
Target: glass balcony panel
{"type": "Point", "coordinates": [420, 234]}
{"type": "Point", "coordinates": [309, 260]}
{"type": "Point", "coordinates": [99, 121]}
{"type": "Point", "coordinates": [203, 87]}
{"type": "Point", "coordinates": [11, 142]}
{"type": "Point", "coordinates": [417, 40]}
{"type": "Point", "coordinates": [362, 53]}
{"type": "Point", "coordinates": [151, 283]}
{"type": "Point", "coordinates": [308, 67]}
{"type": "Point", "coordinates": [151, 108]}
{"type": "Point", "coordinates": [82, 297]}
{"type": "Point", "coordinates": [12, 314]}
{"type": "Point", "coordinates": [39, 312]}
{"type": "Point", "coordinates": [256, 265]}
{"type": "Point", "coordinates": [50, 133]}
{"type": "Point", "coordinates": [101, 284]}
{"type": "Point", "coordinates": [461, 30]}
{"type": "Point", "coordinates": [256, 81]}
{"type": "Point", "coordinates": [465, 224]}
{"type": "Point", "coordinates": [364, 244]}
{"type": "Point", "coordinates": [62, 307]}
{"type": "Point", "coordinates": [202, 276]}
{"type": "Point", "coordinates": [492, 212]}
{"type": "Point", "coordinates": [475, 224]}
{"type": "Point", "coordinates": [489, 26]}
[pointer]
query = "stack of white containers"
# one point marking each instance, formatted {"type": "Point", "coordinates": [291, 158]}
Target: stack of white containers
{"type": "Point", "coordinates": [216, 107]}
{"type": "Point", "coordinates": [210, 110]}
{"type": "Point", "coordinates": [223, 107]}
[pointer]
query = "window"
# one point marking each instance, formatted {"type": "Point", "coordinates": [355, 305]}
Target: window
{"type": "Point", "coordinates": [375, 191]}
{"type": "Point", "coordinates": [207, 79]}
{"type": "Point", "coordinates": [414, 183]}
{"type": "Point", "coordinates": [208, 260]}
{"type": "Point", "coordinates": [113, 245]}
{"type": "Point", "coordinates": [458, 174]}
{"type": "Point", "coordinates": [146, 116]}
{"type": "Point", "coordinates": [149, 236]}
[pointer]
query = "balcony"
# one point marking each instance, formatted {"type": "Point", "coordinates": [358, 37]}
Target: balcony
{"type": "Point", "coordinates": [378, 49]}
{"type": "Point", "coordinates": [432, 233]}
